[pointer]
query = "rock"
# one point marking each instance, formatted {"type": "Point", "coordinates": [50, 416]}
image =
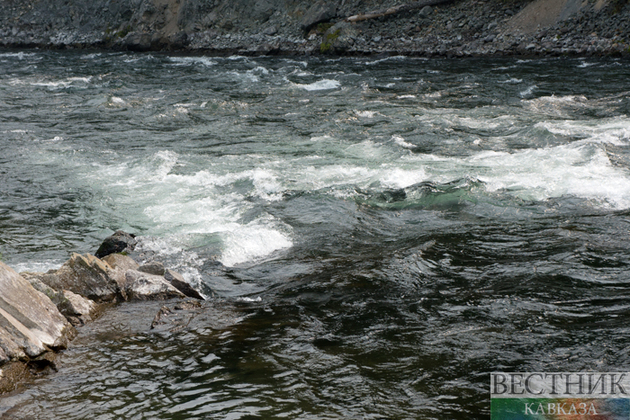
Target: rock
{"type": "Point", "coordinates": [120, 261]}
{"type": "Point", "coordinates": [339, 37]}
{"type": "Point", "coordinates": [176, 317]}
{"type": "Point", "coordinates": [322, 11]}
{"type": "Point", "coordinates": [178, 281]}
{"type": "Point", "coordinates": [120, 241]}
{"type": "Point", "coordinates": [30, 324]}
{"type": "Point", "coordinates": [145, 286]}
{"type": "Point", "coordinates": [425, 11]}
{"type": "Point", "coordinates": [152, 267]}
{"type": "Point", "coordinates": [178, 40]}
{"type": "Point", "coordinates": [77, 309]}
{"type": "Point", "coordinates": [271, 30]}
{"type": "Point", "coordinates": [137, 41]}
{"type": "Point", "coordinates": [87, 276]}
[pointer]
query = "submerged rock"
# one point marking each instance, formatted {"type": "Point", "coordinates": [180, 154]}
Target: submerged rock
{"type": "Point", "coordinates": [120, 241]}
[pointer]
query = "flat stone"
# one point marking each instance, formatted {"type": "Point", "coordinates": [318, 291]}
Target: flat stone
{"type": "Point", "coordinates": [121, 261]}
{"type": "Point", "coordinates": [145, 286]}
{"type": "Point", "coordinates": [30, 323]}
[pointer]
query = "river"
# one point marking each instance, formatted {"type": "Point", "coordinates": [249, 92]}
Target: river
{"type": "Point", "coordinates": [375, 235]}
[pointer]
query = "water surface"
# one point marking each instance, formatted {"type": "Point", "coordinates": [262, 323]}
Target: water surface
{"type": "Point", "coordinates": [377, 235]}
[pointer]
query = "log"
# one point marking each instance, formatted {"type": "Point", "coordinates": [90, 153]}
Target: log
{"type": "Point", "coordinates": [396, 9]}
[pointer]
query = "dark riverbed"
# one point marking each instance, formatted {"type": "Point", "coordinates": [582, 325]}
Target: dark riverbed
{"type": "Point", "coordinates": [378, 235]}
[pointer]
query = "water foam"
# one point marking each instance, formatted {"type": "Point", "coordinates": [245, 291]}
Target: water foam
{"type": "Point", "coordinates": [614, 131]}
{"type": "Point", "coordinates": [187, 61]}
{"type": "Point", "coordinates": [539, 174]}
{"type": "Point", "coordinates": [188, 210]}
{"type": "Point", "coordinates": [324, 84]}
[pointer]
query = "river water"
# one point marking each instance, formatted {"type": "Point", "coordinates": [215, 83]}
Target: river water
{"type": "Point", "coordinates": [375, 236]}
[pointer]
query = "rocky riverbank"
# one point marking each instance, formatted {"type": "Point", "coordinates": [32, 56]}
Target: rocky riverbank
{"type": "Point", "coordinates": [455, 29]}
{"type": "Point", "coordinates": [40, 312]}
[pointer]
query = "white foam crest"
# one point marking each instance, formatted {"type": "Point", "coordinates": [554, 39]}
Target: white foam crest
{"type": "Point", "coordinates": [402, 178]}
{"type": "Point", "coordinates": [165, 160]}
{"type": "Point", "coordinates": [37, 267]}
{"type": "Point", "coordinates": [366, 114]}
{"type": "Point", "coordinates": [253, 241]}
{"type": "Point", "coordinates": [401, 142]}
{"type": "Point", "coordinates": [569, 170]}
{"type": "Point", "coordinates": [511, 81]}
{"type": "Point", "coordinates": [70, 81]}
{"type": "Point", "coordinates": [324, 84]}
{"type": "Point", "coordinates": [528, 92]}
{"type": "Point", "coordinates": [383, 60]}
{"type": "Point", "coordinates": [187, 61]}
{"type": "Point", "coordinates": [615, 131]}
{"type": "Point", "coordinates": [19, 55]}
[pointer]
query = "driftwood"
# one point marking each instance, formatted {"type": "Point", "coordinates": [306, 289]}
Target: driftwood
{"type": "Point", "coordinates": [396, 9]}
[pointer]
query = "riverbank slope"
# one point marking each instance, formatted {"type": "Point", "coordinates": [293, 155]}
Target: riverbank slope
{"type": "Point", "coordinates": [453, 28]}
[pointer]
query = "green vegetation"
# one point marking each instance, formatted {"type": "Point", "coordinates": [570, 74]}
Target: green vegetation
{"type": "Point", "coordinates": [328, 41]}
{"type": "Point", "coordinates": [118, 34]}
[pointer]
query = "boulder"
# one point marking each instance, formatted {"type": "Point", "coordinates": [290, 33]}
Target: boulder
{"type": "Point", "coordinates": [145, 286]}
{"type": "Point", "coordinates": [77, 309]}
{"type": "Point", "coordinates": [89, 277]}
{"type": "Point", "coordinates": [322, 11]}
{"type": "Point", "coordinates": [120, 241]}
{"type": "Point", "coordinates": [152, 267]}
{"type": "Point", "coordinates": [178, 281]}
{"type": "Point", "coordinates": [30, 323]}
{"type": "Point", "coordinates": [120, 261]}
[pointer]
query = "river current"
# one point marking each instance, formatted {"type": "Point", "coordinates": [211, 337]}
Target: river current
{"type": "Point", "coordinates": [375, 236]}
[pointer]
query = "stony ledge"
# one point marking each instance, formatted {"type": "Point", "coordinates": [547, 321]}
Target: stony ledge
{"type": "Point", "coordinates": [40, 312]}
{"type": "Point", "coordinates": [458, 28]}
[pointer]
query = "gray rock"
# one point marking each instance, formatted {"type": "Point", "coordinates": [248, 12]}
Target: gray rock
{"type": "Point", "coordinates": [425, 11]}
{"type": "Point", "coordinates": [271, 30]}
{"type": "Point", "coordinates": [87, 276]}
{"type": "Point", "coordinates": [138, 41]}
{"type": "Point", "coordinates": [152, 267]}
{"type": "Point", "coordinates": [120, 241]}
{"type": "Point", "coordinates": [178, 281]}
{"type": "Point", "coordinates": [77, 309]}
{"type": "Point", "coordinates": [145, 286]}
{"type": "Point", "coordinates": [30, 323]}
{"type": "Point", "coordinates": [322, 11]}
{"type": "Point", "coordinates": [121, 261]}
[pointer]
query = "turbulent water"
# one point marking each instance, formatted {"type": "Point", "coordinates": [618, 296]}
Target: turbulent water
{"type": "Point", "coordinates": [376, 235]}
